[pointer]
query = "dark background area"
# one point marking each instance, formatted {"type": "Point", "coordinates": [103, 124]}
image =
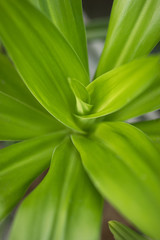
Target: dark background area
{"type": "Point", "coordinates": [97, 9]}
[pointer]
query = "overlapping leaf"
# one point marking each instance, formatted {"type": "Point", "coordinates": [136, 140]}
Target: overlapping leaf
{"type": "Point", "coordinates": [64, 206]}
{"type": "Point", "coordinates": [21, 116]}
{"type": "Point", "coordinates": [125, 167]}
{"type": "Point", "coordinates": [121, 232]}
{"type": "Point", "coordinates": [42, 56]}
{"type": "Point", "coordinates": [20, 164]}
{"type": "Point", "coordinates": [148, 101]}
{"type": "Point", "coordinates": [120, 87]}
{"type": "Point", "coordinates": [134, 30]}
{"type": "Point", "coordinates": [67, 16]}
{"type": "Point", "coordinates": [152, 129]}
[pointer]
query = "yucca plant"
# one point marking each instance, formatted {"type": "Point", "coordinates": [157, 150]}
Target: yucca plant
{"type": "Point", "coordinates": [75, 127]}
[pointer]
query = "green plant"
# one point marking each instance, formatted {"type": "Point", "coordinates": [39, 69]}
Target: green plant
{"type": "Point", "coordinates": [94, 154]}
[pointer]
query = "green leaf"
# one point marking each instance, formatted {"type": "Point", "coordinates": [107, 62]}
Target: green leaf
{"type": "Point", "coordinates": [67, 16]}
{"type": "Point", "coordinates": [124, 165]}
{"type": "Point", "coordinates": [152, 129]}
{"type": "Point", "coordinates": [21, 116]}
{"type": "Point", "coordinates": [117, 88]}
{"type": "Point", "coordinates": [134, 30]}
{"type": "Point", "coordinates": [20, 164]}
{"type": "Point", "coordinates": [42, 56]}
{"type": "Point", "coordinates": [65, 206]}
{"type": "Point", "coordinates": [148, 101]}
{"type": "Point", "coordinates": [12, 85]}
{"type": "Point", "coordinates": [121, 232]}
{"type": "Point", "coordinates": [20, 121]}
{"type": "Point", "coordinates": [82, 97]}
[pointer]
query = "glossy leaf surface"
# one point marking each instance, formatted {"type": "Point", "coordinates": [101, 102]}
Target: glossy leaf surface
{"type": "Point", "coordinates": [65, 206]}
{"type": "Point", "coordinates": [134, 30]}
{"type": "Point", "coordinates": [125, 167]}
{"type": "Point", "coordinates": [67, 16]}
{"type": "Point", "coordinates": [20, 164]}
{"type": "Point", "coordinates": [47, 69]}
{"type": "Point", "coordinates": [122, 232]}
{"type": "Point", "coordinates": [117, 88]}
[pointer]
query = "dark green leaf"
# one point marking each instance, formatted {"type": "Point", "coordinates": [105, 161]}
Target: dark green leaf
{"type": "Point", "coordinates": [125, 167]}
{"type": "Point", "coordinates": [65, 206]}
{"type": "Point", "coordinates": [20, 164]}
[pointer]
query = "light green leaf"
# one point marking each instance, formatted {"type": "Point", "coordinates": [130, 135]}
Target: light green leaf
{"type": "Point", "coordinates": [20, 164]}
{"type": "Point", "coordinates": [65, 206]}
{"type": "Point", "coordinates": [152, 129]}
{"type": "Point", "coordinates": [117, 88]}
{"type": "Point", "coordinates": [148, 101]}
{"type": "Point", "coordinates": [82, 97]}
{"type": "Point", "coordinates": [134, 30]}
{"type": "Point", "coordinates": [21, 116]}
{"type": "Point", "coordinates": [35, 3]}
{"type": "Point", "coordinates": [12, 85]}
{"type": "Point", "coordinates": [42, 56]}
{"type": "Point", "coordinates": [125, 167]}
{"type": "Point", "coordinates": [67, 16]}
{"type": "Point", "coordinates": [20, 121]}
{"type": "Point", "coordinates": [121, 232]}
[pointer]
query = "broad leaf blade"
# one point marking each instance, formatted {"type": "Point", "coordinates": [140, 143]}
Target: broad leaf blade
{"type": "Point", "coordinates": [134, 30]}
{"type": "Point", "coordinates": [68, 17]}
{"type": "Point", "coordinates": [20, 121]}
{"type": "Point", "coordinates": [21, 116]}
{"type": "Point", "coordinates": [120, 87]}
{"type": "Point", "coordinates": [42, 56]}
{"type": "Point", "coordinates": [20, 164]}
{"type": "Point", "coordinates": [65, 206]}
{"type": "Point", "coordinates": [152, 129]}
{"type": "Point", "coordinates": [121, 232]}
{"type": "Point", "coordinates": [12, 85]}
{"type": "Point", "coordinates": [147, 102]}
{"type": "Point", "coordinates": [125, 167]}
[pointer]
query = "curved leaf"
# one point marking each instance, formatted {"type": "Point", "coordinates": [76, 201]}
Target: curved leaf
{"type": "Point", "coordinates": [12, 85]}
{"type": "Point", "coordinates": [120, 87]}
{"type": "Point", "coordinates": [147, 102]}
{"type": "Point", "coordinates": [20, 164]}
{"type": "Point", "coordinates": [121, 232]}
{"type": "Point", "coordinates": [42, 56]}
{"type": "Point", "coordinates": [134, 30]}
{"type": "Point", "coordinates": [67, 16]}
{"type": "Point", "coordinates": [19, 121]}
{"type": "Point", "coordinates": [152, 129]}
{"type": "Point", "coordinates": [125, 167]}
{"type": "Point", "coordinates": [65, 206]}
{"type": "Point", "coordinates": [82, 97]}
{"type": "Point", "coordinates": [21, 116]}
